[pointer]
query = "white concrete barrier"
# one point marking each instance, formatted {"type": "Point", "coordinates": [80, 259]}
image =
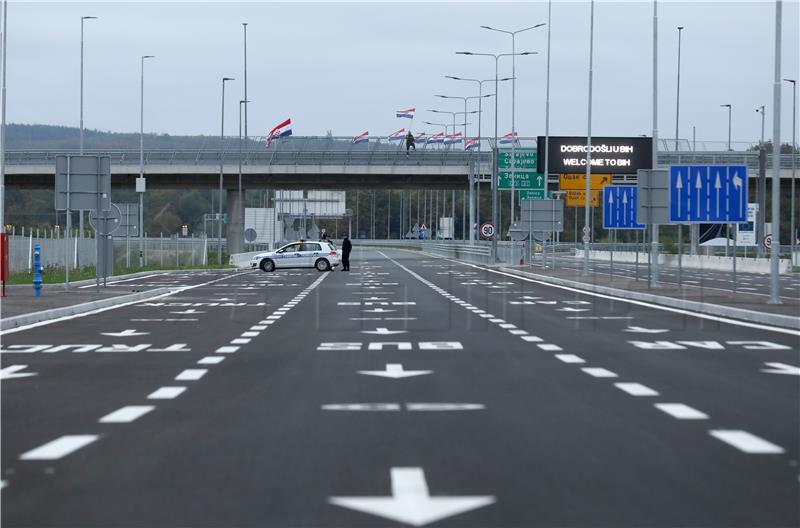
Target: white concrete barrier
{"type": "Point", "coordinates": [242, 260]}
{"type": "Point", "coordinates": [744, 265]}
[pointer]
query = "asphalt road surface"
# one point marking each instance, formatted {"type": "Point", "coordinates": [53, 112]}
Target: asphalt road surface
{"type": "Point", "coordinates": [412, 390]}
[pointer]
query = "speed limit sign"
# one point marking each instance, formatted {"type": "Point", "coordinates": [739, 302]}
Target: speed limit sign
{"type": "Point", "coordinates": [767, 242]}
{"type": "Point", "coordinates": [487, 230]}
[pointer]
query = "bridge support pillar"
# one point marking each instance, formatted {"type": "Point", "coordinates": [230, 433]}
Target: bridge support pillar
{"type": "Point", "coordinates": [235, 228]}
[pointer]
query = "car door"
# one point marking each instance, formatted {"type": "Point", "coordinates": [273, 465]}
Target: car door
{"type": "Point", "coordinates": [288, 256]}
{"type": "Point", "coordinates": [310, 251]}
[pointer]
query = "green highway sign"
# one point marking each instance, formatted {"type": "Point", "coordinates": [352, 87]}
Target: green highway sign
{"type": "Point", "coordinates": [536, 194]}
{"type": "Point", "coordinates": [524, 158]}
{"type": "Point", "coordinates": [522, 180]}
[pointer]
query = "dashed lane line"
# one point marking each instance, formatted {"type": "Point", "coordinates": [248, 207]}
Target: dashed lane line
{"type": "Point", "coordinates": [58, 448]}
{"type": "Point", "coordinates": [746, 442]}
{"type": "Point", "coordinates": [191, 374]}
{"type": "Point", "coordinates": [127, 414]}
{"type": "Point", "coordinates": [636, 389]}
{"type": "Point", "coordinates": [681, 411]}
{"type": "Point", "coordinates": [166, 393]}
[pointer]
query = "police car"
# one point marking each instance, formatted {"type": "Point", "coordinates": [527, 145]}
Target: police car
{"type": "Point", "coordinates": [321, 255]}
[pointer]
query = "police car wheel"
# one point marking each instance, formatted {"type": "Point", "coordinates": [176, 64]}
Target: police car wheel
{"type": "Point", "coordinates": [322, 265]}
{"type": "Point", "coordinates": [267, 265]}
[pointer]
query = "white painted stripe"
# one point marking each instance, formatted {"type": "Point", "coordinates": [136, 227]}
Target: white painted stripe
{"type": "Point", "coordinates": [636, 389]}
{"type": "Point", "coordinates": [532, 339]}
{"type": "Point", "coordinates": [258, 327]}
{"type": "Point", "coordinates": [251, 334]}
{"type": "Point", "coordinates": [240, 341]}
{"type": "Point", "coordinates": [269, 322]}
{"type": "Point", "coordinates": [507, 325]}
{"type": "Point", "coordinates": [747, 442]}
{"type": "Point", "coordinates": [59, 447]}
{"type": "Point", "coordinates": [550, 347]}
{"type": "Point", "coordinates": [273, 317]}
{"type": "Point", "coordinates": [361, 407]}
{"type": "Point", "coordinates": [191, 374]}
{"type": "Point", "coordinates": [570, 358]}
{"type": "Point", "coordinates": [127, 414]}
{"type": "Point", "coordinates": [681, 411]}
{"type": "Point", "coordinates": [211, 360]}
{"type": "Point", "coordinates": [599, 372]}
{"type": "Point", "coordinates": [444, 406]}
{"type": "Point", "coordinates": [166, 393]}
{"type": "Point", "coordinates": [518, 332]}
{"type": "Point", "coordinates": [497, 320]}
{"type": "Point", "coordinates": [227, 349]}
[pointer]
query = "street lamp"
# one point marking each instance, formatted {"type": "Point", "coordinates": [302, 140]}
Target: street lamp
{"type": "Point", "coordinates": [729, 107]}
{"type": "Point", "coordinates": [453, 114]}
{"type": "Point", "coordinates": [760, 110]}
{"type": "Point", "coordinates": [80, 222]}
{"type": "Point", "coordinates": [241, 205]}
{"type": "Point", "coordinates": [496, 58]}
{"type": "Point", "coordinates": [221, 152]}
{"type": "Point", "coordinates": [465, 107]}
{"type": "Point", "coordinates": [513, 100]}
{"type": "Point", "coordinates": [445, 125]}
{"type": "Point", "coordinates": [678, 96]}
{"type": "Point", "coordinates": [140, 182]}
{"type": "Point", "coordinates": [792, 234]}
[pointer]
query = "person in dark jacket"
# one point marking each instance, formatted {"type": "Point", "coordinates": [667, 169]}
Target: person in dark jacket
{"type": "Point", "coordinates": [347, 246]}
{"type": "Point", "coordinates": [410, 142]}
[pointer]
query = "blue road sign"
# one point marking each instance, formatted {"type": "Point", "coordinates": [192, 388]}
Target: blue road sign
{"type": "Point", "coordinates": [708, 193]}
{"type": "Point", "coordinates": [619, 207]}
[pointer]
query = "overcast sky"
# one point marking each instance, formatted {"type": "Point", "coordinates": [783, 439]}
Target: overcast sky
{"type": "Point", "coordinates": [347, 67]}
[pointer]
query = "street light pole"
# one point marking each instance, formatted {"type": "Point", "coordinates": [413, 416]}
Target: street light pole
{"type": "Point", "coordinates": [241, 205]}
{"type": "Point", "coordinates": [654, 227]}
{"type": "Point", "coordinates": [729, 107]}
{"type": "Point", "coordinates": [792, 234]}
{"type": "Point", "coordinates": [240, 213]}
{"type": "Point", "coordinates": [586, 208]}
{"type": "Point", "coordinates": [140, 183]}
{"type": "Point", "coordinates": [3, 124]}
{"type": "Point", "coordinates": [761, 109]}
{"type": "Point", "coordinates": [774, 254]}
{"type": "Point", "coordinates": [221, 153]}
{"type": "Point", "coordinates": [80, 221]}
{"type": "Point", "coordinates": [678, 96]}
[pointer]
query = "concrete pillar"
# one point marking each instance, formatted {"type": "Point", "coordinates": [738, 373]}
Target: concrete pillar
{"type": "Point", "coordinates": [235, 227]}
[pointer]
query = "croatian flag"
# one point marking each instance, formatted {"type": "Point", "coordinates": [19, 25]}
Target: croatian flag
{"type": "Point", "coordinates": [452, 138]}
{"type": "Point", "coordinates": [471, 143]}
{"type": "Point", "coordinates": [508, 138]}
{"type": "Point", "coordinates": [282, 130]}
{"type": "Point", "coordinates": [409, 113]}
{"type": "Point", "coordinates": [363, 138]}
{"type": "Point", "coordinates": [436, 138]}
{"type": "Point", "coordinates": [397, 136]}
{"type": "Point", "coordinates": [420, 136]}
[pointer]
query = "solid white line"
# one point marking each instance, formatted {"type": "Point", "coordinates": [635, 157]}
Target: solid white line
{"type": "Point", "coordinates": [126, 414]}
{"type": "Point", "coordinates": [59, 447]}
{"type": "Point", "coordinates": [570, 358]}
{"type": "Point", "coordinates": [550, 348]}
{"type": "Point", "coordinates": [211, 360]}
{"type": "Point", "coordinates": [227, 349]}
{"type": "Point", "coordinates": [636, 389]}
{"type": "Point", "coordinates": [166, 393]}
{"type": "Point", "coordinates": [532, 339]}
{"type": "Point", "coordinates": [681, 411]}
{"type": "Point", "coordinates": [747, 442]}
{"type": "Point", "coordinates": [599, 372]}
{"type": "Point", "coordinates": [191, 374]}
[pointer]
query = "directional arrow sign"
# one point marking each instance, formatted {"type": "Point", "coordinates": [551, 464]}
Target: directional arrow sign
{"type": "Point", "coordinates": [384, 331]}
{"type": "Point", "coordinates": [781, 368]}
{"type": "Point", "coordinates": [708, 193]}
{"type": "Point", "coordinates": [641, 330]}
{"type": "Point", "coordinates": [13, 372]}
{"type": "Point", "coordinates": [394, 371]}
{"type": "Point", "coordinates": [125, 333]}
{"type": "Point", "coordinates": [410, 501]}
{"type": "Point", "coordinates": [620, 203]}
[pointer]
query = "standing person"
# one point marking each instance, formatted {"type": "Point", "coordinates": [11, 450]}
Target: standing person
{"type": "Point", "coordinates": [347, 246]}
{"type": "Point", "coordinates": [410, 142]}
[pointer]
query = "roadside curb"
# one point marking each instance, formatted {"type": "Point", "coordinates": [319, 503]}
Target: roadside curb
{"type": "Point", "coordinates": [55, 313]}
{"type": "Point", "coordinates": [783, 321]}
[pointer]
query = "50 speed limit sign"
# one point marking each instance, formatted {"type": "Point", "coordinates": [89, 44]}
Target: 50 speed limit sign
{"type": "Point", "coordinates": [487, 230]}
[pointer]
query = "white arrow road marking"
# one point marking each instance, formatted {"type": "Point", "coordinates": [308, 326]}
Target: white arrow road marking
{"type": "Point", "coordinates": [410, 501]}
{"type": "Point", "coordinates": [781, 368]}
{"type": "Point", "coordinates": [394, 371]}
{"type": "Point", "coordinates": [125, 333]}
{"type": "Point", "coordinates": [13, 372]}
{"type": "Point", "coordinates": [642, 330]}
{"type": "Point", "coordinates": [384, 331]}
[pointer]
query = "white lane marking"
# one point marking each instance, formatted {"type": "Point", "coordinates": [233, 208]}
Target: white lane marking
{"type": "Point", "coordinates": [227, 349]}
{"type": "Point", "coordinates": [487, 316]}
{"type": "Point", "coordinates": [126, 414]}
{"type": "Point", "coordinates": [166, 393]}
{"type": "Point", "coordinates": [269, 322]}
{"type": "Point", "coordinates": [550, 348]}
{"type": "Point", "coordinates": [599, 372]}
{"type": "Point", "coordinates": [114, 307]}
{"type": "Point", "coordinates": [211, 360]}
{"type": "Point", "coordinates": [191, 375]}
{"type": "Point", "coordinates": [361, 407]}
{"type": "Point", "coordinates": [444, 406]}
{"type": "Point", "coordinates": [642, 330]}
{"type": "Point", "coordinates": [273, 317]}
{"type": "Point", "coordinates": [12, 371]}
{"type": "Point", "coordinates": [532, 339]}
{"type": "Point", "coordinates": [681, 411]}
{"type": "Point", "coordinates": [507, 326]}
{"type": "Point", "coordinates": [497, 320]}
{"type": "Point", "coordinates": [59, 447]}
{"type": "Point", "coordinates": [518, 332]}
{"type": "Point", "coordinates": [636, 389]}
{"type": "Point", "coordinates": [781, 368]}
{"type": "Point", "coordinates": [258, 327]}
{"type": "Point", "coordinates": [123, 280]}
{"type": "Point", "coordinates": [570, 358]}
{"type": "Point", "coordinates": [240, 341]}
{"type": "Point", "coordinates": [395, 371]}
{"type": "Point", "coordinates": [251, 334]}
{"type": "Point", "coordinates": [746, 442]}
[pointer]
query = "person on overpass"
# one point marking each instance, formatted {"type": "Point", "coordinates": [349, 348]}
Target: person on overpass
{"type": "Point", "coordinates": [347, 246]}
{"type": "Point", "coordinates": [410, 142]}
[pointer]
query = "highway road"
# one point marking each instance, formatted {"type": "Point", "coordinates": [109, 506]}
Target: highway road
{"type": "Point", "coordinates": [752, 283]}
{"type": "Point", "coordinates": [413, 390]}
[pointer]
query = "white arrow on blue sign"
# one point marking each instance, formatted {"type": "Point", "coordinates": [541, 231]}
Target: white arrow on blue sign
{"type": "Point", "coordinates": [619, 207]}
{"type": "Point", "coordinates": [708, 193]}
